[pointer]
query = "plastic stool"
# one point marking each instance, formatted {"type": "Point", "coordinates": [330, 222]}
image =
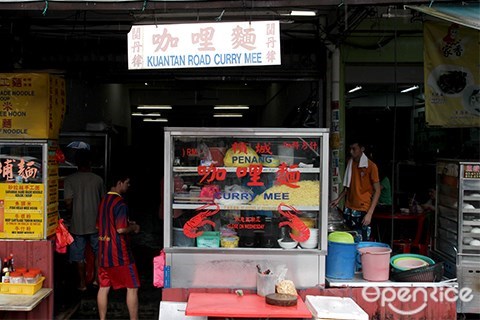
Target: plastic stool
{"type": "Point", "coordinates": [402, 245]}
{"type": "Point", "coordinates": [407, 246]}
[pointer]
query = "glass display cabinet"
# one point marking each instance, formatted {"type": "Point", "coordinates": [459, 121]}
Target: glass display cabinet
{"type": "Point", "coordinates": [235, 198]}
{"type": "Point", "coordinates": [457, 226]}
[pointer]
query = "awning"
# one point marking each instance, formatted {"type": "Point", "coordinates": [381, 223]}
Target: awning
{"type": "Point", "coordinates": [467, 15]}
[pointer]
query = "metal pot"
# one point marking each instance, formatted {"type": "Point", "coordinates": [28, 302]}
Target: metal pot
{"type": "Point", "coordinates": [335, 220]}
{"type": "Point", "coordinates": [337, 227]}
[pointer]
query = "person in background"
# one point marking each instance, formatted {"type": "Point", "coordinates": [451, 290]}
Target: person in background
{"type": "Point", "coordinates": [117, 268]}
{"type": "Point", "coordinates": [429, 205]}
{"type": "Point", "coordinates": [361, 189]}
{"type": "Point", "coordinates": [82, 193]}
{"type": "Point", "coordinates": [385, 199]}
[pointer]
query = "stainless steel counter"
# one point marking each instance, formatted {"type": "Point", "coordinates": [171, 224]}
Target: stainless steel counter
{"type": "Point", "coordinates": [21, 302]}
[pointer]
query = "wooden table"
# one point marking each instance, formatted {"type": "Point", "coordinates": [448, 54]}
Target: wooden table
{"type": "Point", "coordinates": [22, 302]}
{"type": "Point", "coordinates": [246, 306]}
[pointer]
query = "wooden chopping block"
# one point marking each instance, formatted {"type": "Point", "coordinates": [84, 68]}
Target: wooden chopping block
{"type": "Point", "coordinates": [281, 299]}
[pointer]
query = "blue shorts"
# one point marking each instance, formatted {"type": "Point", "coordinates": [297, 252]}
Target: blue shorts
{"type": "Point", "coordinates": [353, 220]}
{"type": "Point", "coordinates": [77, 248]}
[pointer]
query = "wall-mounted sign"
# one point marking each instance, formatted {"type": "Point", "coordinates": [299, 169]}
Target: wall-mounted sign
{"type": "Point", "coordinates": [452, 80]}
{"type": "Point", "coordinates": [204, 45]}
{"type": "Point", "coordinates": [28, 189]}
{"type": "Point", "coordinates": [32, 105]}
{"type": "Point", "coordinates": [21, 210]}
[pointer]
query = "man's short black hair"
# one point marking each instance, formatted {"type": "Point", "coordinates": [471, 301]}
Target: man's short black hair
{"type": "Point", "coordinates": [116, 177]}
{"type": "Point", "coordinates": [83, 158]}
{"type": "Point", "coordinates": [360, 143]}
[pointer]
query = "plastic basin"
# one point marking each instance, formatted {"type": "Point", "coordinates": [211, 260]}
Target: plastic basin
{"type": "Point", "coordinates": [405, 261]}
{"type": "Point", "coordinates": [341, 237]}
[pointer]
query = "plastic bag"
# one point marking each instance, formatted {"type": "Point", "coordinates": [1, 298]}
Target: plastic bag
{"type": "Point", "coordinates": [158, 270]}
{"type": "Point", "coordinates": [62, 237]}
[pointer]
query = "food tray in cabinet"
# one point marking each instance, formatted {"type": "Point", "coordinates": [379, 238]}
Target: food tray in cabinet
{"type": "Point", "coordinates": [473, 184]}
{"type": "Point", "coordinates": [471, 221]}
{"type": "Point", "coordinates": [22, 288]}
{"type": "Point", "coordinates": [471, 249]}
{"type": "Point", "coordinates": [471, 195]}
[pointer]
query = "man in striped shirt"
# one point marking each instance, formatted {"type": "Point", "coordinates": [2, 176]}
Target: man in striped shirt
{"type": "Point", "coordinates": [117, 267]}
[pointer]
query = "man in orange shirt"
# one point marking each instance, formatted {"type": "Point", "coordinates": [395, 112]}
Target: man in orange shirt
{"type": "Point", "coordinates": [361, 191]}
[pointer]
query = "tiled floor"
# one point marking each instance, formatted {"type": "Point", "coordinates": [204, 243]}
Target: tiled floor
{"type": "Point", "coordinates": [149, 302]}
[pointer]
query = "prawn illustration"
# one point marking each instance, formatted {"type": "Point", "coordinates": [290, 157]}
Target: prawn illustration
{"type": "Point", "coordinates": [294, 222]}
{"type": "Point", "coordinates": [191, 226]}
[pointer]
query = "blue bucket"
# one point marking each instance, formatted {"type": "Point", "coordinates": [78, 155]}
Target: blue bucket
{"type": "Point", "coordinates": [341, 260]}
{"type": "Point", "coordinates": [366, 244]}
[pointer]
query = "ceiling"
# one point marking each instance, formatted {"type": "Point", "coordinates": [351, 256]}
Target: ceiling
{"type": "Point", "coordinates": [87, 39]}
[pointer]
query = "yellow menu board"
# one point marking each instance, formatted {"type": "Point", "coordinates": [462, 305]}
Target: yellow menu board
{"type": "Point", "coordinates": [21, 210]}
{"type": "Point", "coordinates": [52, 188]}
{"type": "Point", "coordinates": [32, 105]}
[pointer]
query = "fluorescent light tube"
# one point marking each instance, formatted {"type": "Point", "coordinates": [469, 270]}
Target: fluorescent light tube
{"type": "Point", "coordinates": [227, 115]}
{"type": "Point", "coordinates": [152, 114]}
{"type": "Point", "coordinates": [409, 89]}
{"type": "Point", "coordinates": [355, 89]}
{"type": "Point", "coordinates": [155, 107]}
{"type": "Point", "coordinates": [231, 107]}
{"type": "Point", "coordinates": [155, 120]}
{"type": "Point", "coordinates": [303, 13]}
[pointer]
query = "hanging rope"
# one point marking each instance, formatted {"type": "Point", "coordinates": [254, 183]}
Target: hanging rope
{"type": "Point", "coordinates": [46, 8]}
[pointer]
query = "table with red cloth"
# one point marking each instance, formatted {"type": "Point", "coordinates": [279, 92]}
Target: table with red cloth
{"type": "Point", "coordinates": [241, 306]}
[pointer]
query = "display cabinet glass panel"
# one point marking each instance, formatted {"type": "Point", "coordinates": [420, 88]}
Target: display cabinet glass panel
{"type": "Point", "coordinates": [246, 190]}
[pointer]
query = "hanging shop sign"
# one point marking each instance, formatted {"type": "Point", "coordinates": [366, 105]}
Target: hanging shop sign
{"type": "Point", "coordinates": [452, 80]}
{"type": "Point", "coordinates": [21, 195]}
{"type": "Point", "coordinates": [32, 105]}
{"type": "Point", "coordinates": [204, 45]}
{"type": "Point", "coordinates": [28, 189]}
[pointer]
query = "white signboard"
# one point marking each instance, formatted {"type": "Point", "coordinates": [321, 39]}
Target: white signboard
{"type": "Point", "coordinates": [204, 45]}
